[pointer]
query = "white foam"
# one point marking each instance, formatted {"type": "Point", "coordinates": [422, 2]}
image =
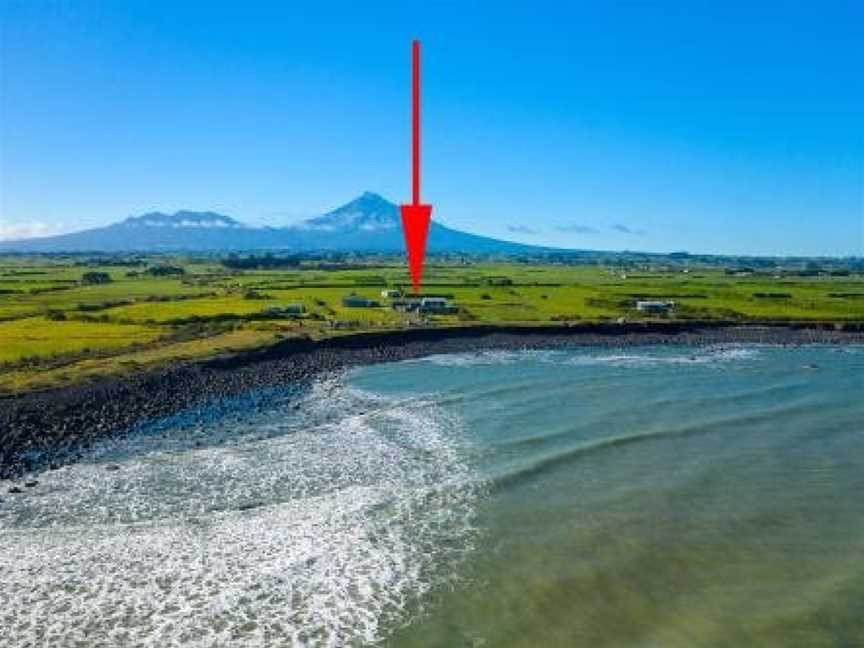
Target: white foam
{"type": "Point", "coordinates": [700, 356]}
{"type": "Point", "coordinates": [638, 358]}
{"type": "Point", "coordinates": [320, 526]}
{"type": "Point", "coordinates": [487, 358]}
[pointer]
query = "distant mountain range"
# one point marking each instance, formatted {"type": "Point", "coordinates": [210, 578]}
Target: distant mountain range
{"type": "Point", "coordinates": [369, 223]}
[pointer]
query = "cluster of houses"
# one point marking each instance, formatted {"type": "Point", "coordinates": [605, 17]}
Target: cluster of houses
{"type": "Point", "coordinates": [423, 305]}
{"type": "Point", "coordinates": [434, 305]}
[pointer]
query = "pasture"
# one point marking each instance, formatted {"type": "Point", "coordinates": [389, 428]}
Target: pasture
{"type": "Point", "coordinates": [55, 326]}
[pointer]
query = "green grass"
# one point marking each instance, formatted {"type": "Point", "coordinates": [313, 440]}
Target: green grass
{"type": "Point", "coordinates": [171, 311]}
{"type": "Point", "coordinates": [41, 338]}
{"type": "Point", "coordinates": [126, 361]}
{"type": "Point", "coordinates": [72, 297]}
{"type": "Point", "coordinates": [145, 320]}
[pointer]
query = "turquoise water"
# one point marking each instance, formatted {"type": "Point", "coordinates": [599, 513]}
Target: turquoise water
{"type": "Point", "coordinates": [598, 497]}
{"type": "Point", "coordinates": [654, 497]}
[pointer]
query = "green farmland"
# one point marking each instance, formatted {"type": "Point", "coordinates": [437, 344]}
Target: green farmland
{"type": "Point", "coordinates": [58, 326]}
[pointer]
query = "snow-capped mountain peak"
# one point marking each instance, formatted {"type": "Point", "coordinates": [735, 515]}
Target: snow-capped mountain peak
{"type": "Point", "coordinates": [368, 213]}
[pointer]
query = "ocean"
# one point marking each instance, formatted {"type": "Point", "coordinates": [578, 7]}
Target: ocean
{"type": "Point", "coordinates": [641, 496]}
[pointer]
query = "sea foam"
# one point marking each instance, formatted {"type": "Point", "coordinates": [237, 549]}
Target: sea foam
{"type": "Point", "coordinates": [312, 523]}
{"type": "Point", "coordinates": [636, 357]}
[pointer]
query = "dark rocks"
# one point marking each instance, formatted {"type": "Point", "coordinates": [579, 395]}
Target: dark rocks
{"type": "Point", "coordinates": [15, 490]}
{"type": "Point", "coordinates": [56, 426]}
{"type": "Point", "coordinates": [112, 467]}
{"type": "Point", "coordinates": [31, 484]}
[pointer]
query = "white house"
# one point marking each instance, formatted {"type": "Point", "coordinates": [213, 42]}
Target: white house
{"type": "Point", "coordinates": [654, 306]}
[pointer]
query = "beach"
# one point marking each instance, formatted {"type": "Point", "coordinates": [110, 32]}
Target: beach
{"type": "Point", "coordinates": [43, 428]}
{"type": "Point", "coordinates": [594, 495]}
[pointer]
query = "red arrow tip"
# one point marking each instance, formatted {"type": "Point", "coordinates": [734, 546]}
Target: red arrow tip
{"type": "Point", "coordinates": [415, 225]}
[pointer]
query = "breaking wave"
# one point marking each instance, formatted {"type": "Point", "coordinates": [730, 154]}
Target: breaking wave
{"type": "Point", "coordinates": [487, 357]}
{"type": "Point", "coordinates": [316, 522]}
{"type": "Point", "coordinates": [637, 358]}
{"type": "Point", "coordinates": [703, 356]}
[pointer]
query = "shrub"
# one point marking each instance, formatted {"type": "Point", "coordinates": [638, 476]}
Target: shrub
{"type": "Point", "coordinates": [95, 278]}
{"type": "Point", "coordinates": [165, 271]}
{"type": "Point", "coordinates": [772, 295]}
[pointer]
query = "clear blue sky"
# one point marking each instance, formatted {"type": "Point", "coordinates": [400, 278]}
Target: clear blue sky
{"type": "Point", "coordinates": [730, 127]}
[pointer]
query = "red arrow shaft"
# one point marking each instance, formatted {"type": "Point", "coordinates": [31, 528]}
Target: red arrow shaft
{"type": "Point", "coordinates": [415, 122]}
{"type": "Point", "coordinates": [416, 216]}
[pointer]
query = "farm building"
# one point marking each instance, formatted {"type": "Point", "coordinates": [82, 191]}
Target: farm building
{"type": "Point", "coordinates": [426, 305]}
{"type": "Point", "coordinates": [654, 306]}
{"type": "Point", "coordinates": [391, 294]}
{"type": "Point", "coordinates": [355, 301]}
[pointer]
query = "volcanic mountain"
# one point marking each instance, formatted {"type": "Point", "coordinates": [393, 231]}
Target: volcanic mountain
{"type": "Point", "coordinates": [369, 223]}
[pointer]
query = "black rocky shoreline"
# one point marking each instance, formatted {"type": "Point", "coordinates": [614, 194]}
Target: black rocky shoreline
{"type": "Point", "coordinates": [38, 430]}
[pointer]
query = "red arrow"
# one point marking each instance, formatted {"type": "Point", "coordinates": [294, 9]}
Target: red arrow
{"type": "Point", "coordinates": [416, 216]}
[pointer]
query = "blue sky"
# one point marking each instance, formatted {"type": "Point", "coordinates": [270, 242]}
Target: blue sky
{"type": "Point", "coordinates": [729, 127]}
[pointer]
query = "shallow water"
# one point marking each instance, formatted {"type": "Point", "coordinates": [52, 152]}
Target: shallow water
{"type": "Point", "coordinates": [648, 496]}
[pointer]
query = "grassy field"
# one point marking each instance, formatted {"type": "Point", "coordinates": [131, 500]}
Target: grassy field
{"type": "Point", "coordinates": [35, 337]}
{"type": "Point", "coordinates": [55, 327]}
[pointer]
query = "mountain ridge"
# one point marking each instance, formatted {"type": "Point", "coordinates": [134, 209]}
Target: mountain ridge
{"type": "Point", "coordinates": [182, 218]}
{"type": "Point", "coordinates": [368, 223]}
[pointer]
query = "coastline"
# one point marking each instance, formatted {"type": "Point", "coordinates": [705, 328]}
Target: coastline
{"type": "Point", "coordinates": [40, 429]}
